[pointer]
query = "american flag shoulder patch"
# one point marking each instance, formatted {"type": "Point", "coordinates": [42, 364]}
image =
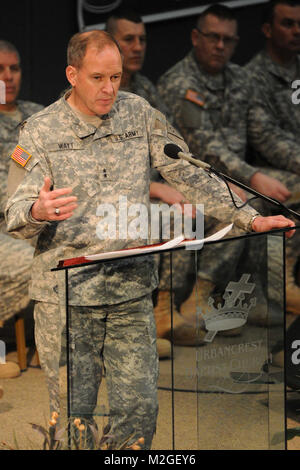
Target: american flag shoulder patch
{"type": "Point", "coordinates": [195, 97]}
{"type": "Point", "coordinates": [20, 156]}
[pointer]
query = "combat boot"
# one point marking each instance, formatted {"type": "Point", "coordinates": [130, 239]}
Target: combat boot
{"type": "Point", "coordinates": [9, 370]}
{"type": "Point", "coordinates": [184, 333]}
{"type": "Point", "coordinates": [292, 289]}
{"type": "Point", "coordinates": [164, 348]}
{"type": "Point", "coordinates": [198, 300]}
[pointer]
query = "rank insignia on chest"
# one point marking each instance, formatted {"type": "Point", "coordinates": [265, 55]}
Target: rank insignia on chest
{"type": "Point", "coordinates": [20, 156]}
{"type": "Point", "coordinates": [195, 97]}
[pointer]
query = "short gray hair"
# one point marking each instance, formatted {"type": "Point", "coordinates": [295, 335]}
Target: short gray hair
{"type": "Point", "coordinates": [6, 46]}
{"type": "Point", "coordinates": [80, 41]}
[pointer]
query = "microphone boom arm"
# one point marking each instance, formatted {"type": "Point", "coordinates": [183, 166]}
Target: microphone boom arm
{"type": "Point", "coordinates": [254, 192]}
{"type": "Point", "coordinates": [174, 151]}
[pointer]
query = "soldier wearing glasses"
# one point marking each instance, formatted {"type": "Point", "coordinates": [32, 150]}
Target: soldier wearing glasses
{"type": "Point", "coordinates": [207, 96]}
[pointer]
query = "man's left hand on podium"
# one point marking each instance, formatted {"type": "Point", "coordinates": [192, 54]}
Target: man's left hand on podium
{"type": "Point", "coordinates": [263, 224]}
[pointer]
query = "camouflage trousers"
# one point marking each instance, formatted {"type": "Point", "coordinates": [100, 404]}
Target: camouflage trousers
{"type": "Point", "coordinates": [15, 274]}
{"type": "Point", "coordinates": [122, 339]}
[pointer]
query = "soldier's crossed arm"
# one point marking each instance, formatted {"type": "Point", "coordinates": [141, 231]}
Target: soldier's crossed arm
{"type": "Point", "coordinates": [276, 145]}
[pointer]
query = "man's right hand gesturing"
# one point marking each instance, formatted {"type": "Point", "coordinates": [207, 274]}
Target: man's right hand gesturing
{"type": "Point", "coordinates": [51, 205]}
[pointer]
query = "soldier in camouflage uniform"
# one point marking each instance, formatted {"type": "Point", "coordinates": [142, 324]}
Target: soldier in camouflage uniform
{"type": "Point", "coordinates": [100, 144]}
{"type": "Point", "coordinates": [209, 99]}
{"type": "Point", "coordinates": [16, 255]}
{"type": "Point", "coordinates": [128, 29]}
{"type": "Point", "coordinates": [274, 119]}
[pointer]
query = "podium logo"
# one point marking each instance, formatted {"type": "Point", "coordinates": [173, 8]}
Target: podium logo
{"type": "Point", "coordinates": [2, 92]}
{"type": "Point", "coordinates": [234, 311]}
{"type": "Point", "coordinates": [155, 221]}
{"type": "Point", "coordinates": [2, 352]}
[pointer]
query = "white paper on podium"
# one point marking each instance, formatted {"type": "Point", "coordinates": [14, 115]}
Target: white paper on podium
{"type": "Point", "coordinates": [178, 241]}
{"type": "Point", "coordinates": [213, 238]}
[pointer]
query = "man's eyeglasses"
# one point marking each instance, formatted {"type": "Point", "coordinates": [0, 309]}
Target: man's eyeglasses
{"type": "Point", "coordinates": [214, 38]}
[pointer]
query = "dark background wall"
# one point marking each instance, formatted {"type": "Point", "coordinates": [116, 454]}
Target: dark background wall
{"type": "Point", "coordinates": [41, 31]}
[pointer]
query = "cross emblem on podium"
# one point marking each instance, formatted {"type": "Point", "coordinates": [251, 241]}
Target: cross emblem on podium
{"type": "Point", "coordinates": [235, 290]}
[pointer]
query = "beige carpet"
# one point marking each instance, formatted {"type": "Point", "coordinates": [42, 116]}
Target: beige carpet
{"type": "Point", "coordinates": [207, 420]}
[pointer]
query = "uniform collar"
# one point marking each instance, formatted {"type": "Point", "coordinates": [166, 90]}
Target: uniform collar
{"type": "Point", "coordinates": [276, 69]}
{"type": "Point", "coordinates": [22, 108]}
{"type": "Point", "coordinates": [135, 83]}
{"type": "Point", "coordinates": [212, 82]}
{"type": "Point", "coordinates": [109, 125]}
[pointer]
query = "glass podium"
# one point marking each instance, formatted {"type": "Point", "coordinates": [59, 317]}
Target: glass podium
{"type": "Point", "coordinates": [226, 393]}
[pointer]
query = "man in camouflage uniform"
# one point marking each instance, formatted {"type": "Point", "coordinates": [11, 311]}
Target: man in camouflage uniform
{"type": "Point", "coordinates": [274, 117]}
{"type": "Point", "coordinates": [16, 255]}
{"type": "Point", "coordinates": [128, 29]}
{"type": "Point", "coordinates": [100, 144]}
{"type": "Point", "coordinates": [209, 100]}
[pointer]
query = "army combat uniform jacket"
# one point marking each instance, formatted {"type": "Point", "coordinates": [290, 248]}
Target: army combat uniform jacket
{"type": "Point", "coordinates": [16, 255]}
{"type": "Point", "coordinates": [101, 165]}
{"type": "Point", "coordinates": [274, 117]}
{"type": "Point", "coordinates": [211, 113]}
{"type": "Point", "coordinates": [9, 135]}
{"type": "Point", "coordinates": [142, 86]}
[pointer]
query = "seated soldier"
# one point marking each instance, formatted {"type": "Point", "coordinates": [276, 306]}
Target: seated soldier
{"type": "Point", "coordinates": [274, 119]}
{"type": "Point", "coordinates": [16, 255]}
{"type": "Point", "coordinates": [209, 98]}
{"type": "Point", "coordinates": [127, 27]}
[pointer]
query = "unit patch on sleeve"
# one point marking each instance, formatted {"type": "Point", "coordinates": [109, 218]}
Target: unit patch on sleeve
{"type": "Point", "coordinates": [20, 156]}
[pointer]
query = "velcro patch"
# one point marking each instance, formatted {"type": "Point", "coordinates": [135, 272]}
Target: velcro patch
{"type": "Point", "coordinates": [171, 129]}
{"type": "Point", "coordinates": [159, 125]}
{"type": "Point", "coordinates": [20, 156]}
{"type": "Point", "coordinates": [195, 97]}
{"type": "Point", "coordinates": [127, 135]}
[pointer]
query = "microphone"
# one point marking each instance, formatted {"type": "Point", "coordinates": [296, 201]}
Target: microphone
{"type": "Point", "coordinates": [173, 151]}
